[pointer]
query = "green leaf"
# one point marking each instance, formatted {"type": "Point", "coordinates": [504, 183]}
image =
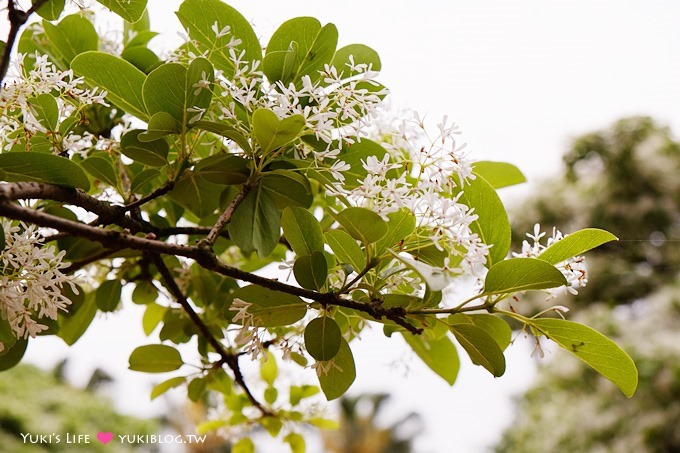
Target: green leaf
{"type": "Point", "coordinates": [199, 18]}
{"type": "Point", "coordinates": [256, 224]}
{"type": "Point", "coordinates": [492, 224]}
{"type": "Point", "coordinates": [400, 225]}
{"type": "Point", "coordinates": [73, 35]}
{"type": "Point", "coordinates": [224, 130]}
{"type": "Point", "coordinates": [272, 133]}
{"type": "Point", "coordinates": [322, 338]}
{"type": "Point", "coordinates": [245, 445]}
{"type": "Point", "coordinates": [7, 336]}
{"type": "Point", "coordinates": [72, 327]}
{"type": "Point", "coordinates": [160, 124]}
{"type": "Point", "coordinates": [153, 315]}
{"type": "Point", "coordinates": [51, 10]}
{"type": "Point", "coordinates": [196, 194]}
{"type": "Point", "coordinates": [46, 111]}
{"type": "Point", "coordinates": [481, 347]}
{"type": "Point", "coordinates": [165, 91]}
{"type": "Point", "coordinates": [199, 73]}
{"type": "Point", "coordinates": [107, 295]}
{"type": "Point", "coordinates": [142, 178]}
{"type": "Point", "coordinates": [142, 58]}
{"type": "Point", "coordinates": [497, 329]}
{"type": "Point", "coordinates": [311, 270]}
{"type": "Point", "coordinates": [155, 358]}
{"type": "Point", "coordinates": [360, 53]}
{"type": "Point", "coordinates": [522, 274]}
{"type": "Point", "coordinates": [575, 244]}
{"type": "Point", "coordinates": [166, 385]}
{"type": "Point", "coordinates": [346, 249]}
{"type": "Point", "coordinates": [287, 188]}
{"type": "Point", "coordinates": [498, 174]}
{"type": "Point", "coordinates": [271, 308]}
{"type": "Point", "coordinates": [144, 293]}
{"type": "Point", "coordinates": [296, 442]}
{"type": "Point", "coordinates": [41, 167]}
{"type": "Point", "coordinates": [300, 46]}
{"type": "Point", "coordinates": [303, 232]}
{"type": "Point", "coordinates": [13, 355]}
{"type": "Point", "coordinates": [121, 79]}
{"type": "Point", "coordinates": [101, 168]}
{"type": "Point", "coordinates": [153, 153]}
{"type": "Point", "coordinates": [299, 392]}
{"type": "Point", "coordinates": [130, 10]}
{"type": "Point", "coordinates": [362, 224]}
{"type": "Point", "coordinates": [440, 355]}
{"type": "Point", "coordinates": [593, 348]}
{"type": "Point", "coordinates": [269, 370]}
{"type": "Point", "coordinates": [338, 374]}
{"type": "Point", "coordinates": [223, 169]}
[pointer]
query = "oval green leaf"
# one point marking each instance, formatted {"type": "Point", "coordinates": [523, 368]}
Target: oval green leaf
{"type": "Point", "coordinates": [440, 355]}
{"type": "Point", "coordinates": [362, 224]}
{"type": "Point", "coordinates": [311, 270]}
{"type": "Point", "coordinates": [593, 348]}
{"type": "Point", "coordinates": [346, 249]}
{"type": "Point", "coordinates": [271, 308]}
{"type": "Point", "coordinates": [481, 347]}
{"type": "Point", "coordinates": [256, 223]}
{"type": "Point", "coordinates": [155, 358]}
{"type": "Point", "coordinates": [107, 295]}
{"type": "Point", "coordinates": [492, 224]}
{"type": "Point", "coordinates": [498, 174]}
{"type": "Point", "coordinates": [522, 274]}
{"type": "Point", "coordinates": [303, 232]}
{"type": "Point", "coordinates": [130, 10]}
{"type": "Point", "coordinates": [41, 167]}
{"type": "Point", "coordinates": [121, 79]}
{"type": "Point", "coordinates": [575, 244]}
{"type": "Point", "coordinates": [338, 374]}
{"type": "Point", "coordinates": [322, 338]}
{"type": "Point", "coordinates": [271, 132]}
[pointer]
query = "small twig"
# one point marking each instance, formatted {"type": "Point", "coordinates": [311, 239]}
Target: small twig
{"type": "Point", "coordinates": [167, 187]}
{"type": "Point", "coordinates": [225, 218]}
{"type": "Point", "coordinates": [228, 358]}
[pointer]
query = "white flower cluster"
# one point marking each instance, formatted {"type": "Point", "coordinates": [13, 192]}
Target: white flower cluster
{"type": "Point", "coordinates": [31, 280]}
{"type": "Point", "coordinates": [17, 118]}
{"type": "Point", "coordinates": [425, 173]}
{"type": "Point", "coordinates": [574, 269]}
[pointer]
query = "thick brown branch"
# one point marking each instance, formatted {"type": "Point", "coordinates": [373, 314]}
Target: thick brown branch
{"type": "Point", "coordinates": [202, 254]}
{"type": "Point", "coordinates": [225, 218]}
{"type": "Point", "coordinates": [107, 212]}
{"type": "Point", "coordinates": [230, 359]}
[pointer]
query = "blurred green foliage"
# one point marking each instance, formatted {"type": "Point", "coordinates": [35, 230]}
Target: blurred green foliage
{"type": "Point", "coordinates": [35, 402]}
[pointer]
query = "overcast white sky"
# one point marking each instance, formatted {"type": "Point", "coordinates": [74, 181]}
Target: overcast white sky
{"type": "Point", "coordinates": [521, 78]}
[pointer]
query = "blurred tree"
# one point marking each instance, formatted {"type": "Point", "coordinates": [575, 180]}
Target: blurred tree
{"type": "Point", "coordinates": [360, 429]}
{"type": "Point", "coordinates": [38, 402]}
{"type": "Point", "coordinates": [624, 179]}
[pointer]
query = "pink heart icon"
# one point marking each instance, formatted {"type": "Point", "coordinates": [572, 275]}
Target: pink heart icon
{"type": "Point", "coordinates": [104, 437]}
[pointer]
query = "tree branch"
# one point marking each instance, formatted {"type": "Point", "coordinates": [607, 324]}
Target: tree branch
{"type": "Point", "coordinates": [202, 254]}
{"type": "Point", "coordinates": [230, 359]}
{"type": "Point", "coordinates": [17, 18]}
{"type": "Point", "coordinates": [225, 218]}
{"type": "Point", "coordinates": [165, 188]}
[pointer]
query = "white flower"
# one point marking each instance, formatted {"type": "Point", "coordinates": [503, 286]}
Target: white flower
{"type": "Point", "coordinates": [31, 280]}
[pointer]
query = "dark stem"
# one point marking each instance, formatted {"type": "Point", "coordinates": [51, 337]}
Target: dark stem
{"type": "Point", "coordinates": [228, 358]}
{"type": "Point", "coordinates": [17, 18]}
{"type": "Point", "coordinates": [167, 187]}
{"type": "Point", "coordinates": [225, 218]}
